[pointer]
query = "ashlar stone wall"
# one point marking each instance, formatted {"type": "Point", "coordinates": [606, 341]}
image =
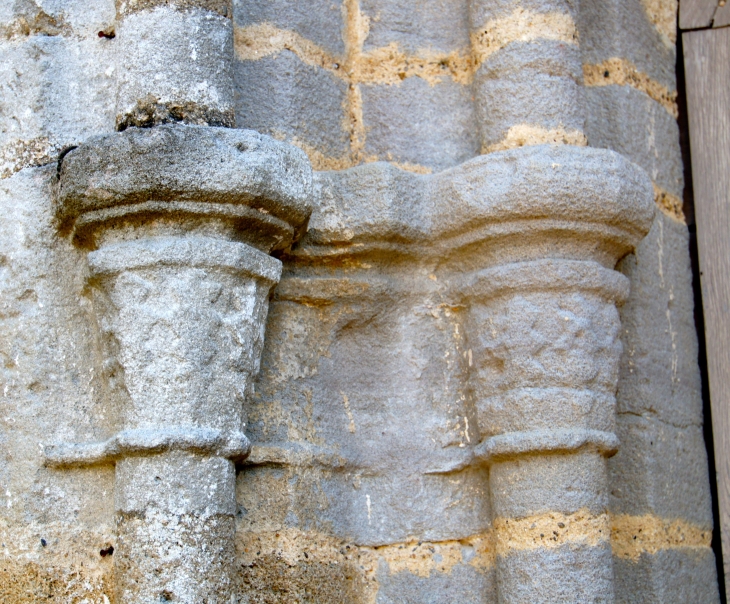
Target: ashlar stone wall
{"type": "Point", "coordinates": [425, 335]}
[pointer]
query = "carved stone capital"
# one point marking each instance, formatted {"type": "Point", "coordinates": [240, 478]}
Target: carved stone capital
{"type": "Point", "coordinates": [179, 221]}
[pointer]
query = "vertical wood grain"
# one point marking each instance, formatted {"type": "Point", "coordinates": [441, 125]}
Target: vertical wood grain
{"type": "Point", "coordinates": [694, 14]}
{"type": "Point", "coordinates": [707, 67]}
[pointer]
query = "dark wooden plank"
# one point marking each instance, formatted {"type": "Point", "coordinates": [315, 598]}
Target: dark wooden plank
{"type": "Point", "coordinates": [707, 69]}
{"type": "Point", "coordinates": [694, 14]}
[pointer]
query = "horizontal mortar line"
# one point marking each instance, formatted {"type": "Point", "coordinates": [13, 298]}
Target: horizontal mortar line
{"type": "Point", "coordinates": [390, 64]}
{"type": "Point", "coordinates": [622, 72]}
{"type": "Point", "coordinates": [669, 204]}
{"type": "Point", "coordinates": [385, 65]}
{"type": "Point", "coordinates": [633, 535]}
{"type": "Point", "coordinates": [630, 535]}
{"type": "Point", "coordinates": [326, 163]}
{"type": "Point", "coordinates": [526, 135]}
{"type": "Point", "coordinates": [521, 25]}
{"type": "Point", "coordinates": [551, 530]}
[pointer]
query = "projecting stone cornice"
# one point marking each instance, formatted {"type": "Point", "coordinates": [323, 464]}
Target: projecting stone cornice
{"type": "Point", "coordinates": [597, 195]}
{"type": "Point", "coordinates": [246, 183]}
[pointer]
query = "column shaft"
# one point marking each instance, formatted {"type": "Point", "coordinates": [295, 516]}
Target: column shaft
{"type": "Point", "coordinates": [546, 367]}
{"type": "Point", "coordinates": [528, 73]}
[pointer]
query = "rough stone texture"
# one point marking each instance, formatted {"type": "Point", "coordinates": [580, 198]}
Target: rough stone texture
{"type": "Point", "coordinates": [56, 81]}
{"type": "Point", "coordinates": [400, 450]}
{"type": "Point", "coordinates": [197, 90]}
{"type": "Point", "coordinates": [672, 576]}
{"type": "Point", "coordinates": [284, 98]}
{"type": "Point", "coordinates": [507, 98]}
{"type": "Point", "coordinates": [623, 29]}
{"type": "Point", "coordinates": [627, 121]}
{"type": "Point", "coordinates": [417, 123]}
{"type": "Point", "coordinates": [254, 182]}
{"type": "Point", "coordinates": [571, 573]}
{"type": "Point", "coordinates": [321, 21]}
{"type": "Point", "coordinates": [127, 7]}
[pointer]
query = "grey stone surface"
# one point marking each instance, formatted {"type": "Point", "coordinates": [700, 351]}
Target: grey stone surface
{"type": "Point", "coordinates": [418, 123]}
{"type": "Point", "coordinates": [529, 83]}
{"type": "Point", "coordinates": [55, 91]}
{"type": "Point", "coordinates": [483, 11]}
{"type": "Point", "coordinates": [655, 459]}
{"type": "Point", "coordinates": [535, 484]}
{"type": "Point", "coordinates": [175, 529]}
{"type": "Point", "coordinates": [569, 573]}
{"type": "Point", "coordinates": [285, 98]}
{"type": "Point", "coordinates": [205, 168]}
{"type": "Point", "coordinates": [617, 28]}
{"type": "Point", "coordinates": [378, 202]}
{"type": "Point", "coordinates": [50, 388]}
{"type": "Point", "coordinates": [441, 26]}
{"type": "Point", "coordinates": [321, 21]}
{"type": "Point", "coordinates": [364, 481]}
{"type": "Point", "coordinates": [671, 577]}
{"type": "Point", "coordinates": [463, 584]}
{"type": "Point", "coordinates": [165, 76]}
{"type": "Point", "coordinates": [659, 377]}
{"type": "Point", "coordinates": [629, 122]}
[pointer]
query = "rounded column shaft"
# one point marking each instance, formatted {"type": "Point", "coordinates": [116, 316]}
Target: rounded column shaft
{"type": "Point", "coordinates": [546, 367]}
{"type": "Point", "coordinates": [175, 528]}
{"type": "Point", "coordinates": [528, 73]}
{"type": "Point", "coordinates": [174, 63]}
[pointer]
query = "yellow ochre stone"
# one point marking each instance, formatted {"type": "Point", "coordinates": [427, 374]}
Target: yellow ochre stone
{"type": "Point", "coordinates": [524, 135]}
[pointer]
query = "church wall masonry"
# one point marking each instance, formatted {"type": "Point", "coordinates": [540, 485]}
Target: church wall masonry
{"type": "Point", "coordinates": [347, 301]}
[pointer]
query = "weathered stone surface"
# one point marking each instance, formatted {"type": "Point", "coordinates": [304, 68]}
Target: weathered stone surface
{"type": "Point", "coordinates": [543, 576]}
{"type": "Point", "coordinates": [674, 576]}
{"type": "Point", "coordinates": [380, 202]}
{"type": "Point", "coordinates": [628, 122]}
{"type": "Point", "coordinates": [437, 392]}
{"type": "Point", "coordinates": [416, 123]}
{"type": "Point", "coordinates": [285, 98]}
{"type": "Point", "coordinates": [321, 21]}
{"type": "Point", "coordinates": [233, 175]}
{"type": "Point", "coordinates": [164, 77]}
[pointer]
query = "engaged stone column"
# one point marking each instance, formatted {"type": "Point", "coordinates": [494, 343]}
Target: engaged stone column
{"type": "Point", "coordinates": [174, 62]}
{"type": "Point", "coordinates": [180, 221]}
{"type": "Point", "coordinates": [528, 73]}
{"type": "Point", "coordinates": [545, 337]}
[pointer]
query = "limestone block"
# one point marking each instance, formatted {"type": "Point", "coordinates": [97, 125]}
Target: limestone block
{"type": "Point", "coordinates": [672, 576]}
{"type": "Point", "coordinates": [505, 86]}
{"type": "Point", "coordinates": [441, 26]}
{"type": "Point", "coordinates": [320, 21]}
{"type": "Point", "coordinates": [629, 122]}
{"type": "Point", "coordinates": [285, 98]}
{"type": "Point", "coordinates": [624, 29]}
{"type": "Point", "coordinates": [197, 90]}
{"type": "Point", "coordinates": [659, 375]}
{"type": "Point", "coordinates": [414, 122]}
